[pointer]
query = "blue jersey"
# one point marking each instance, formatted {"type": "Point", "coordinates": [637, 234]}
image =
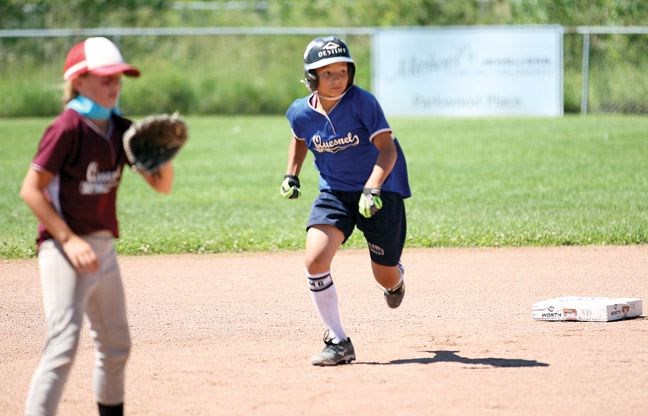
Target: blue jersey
{"type": "Point", "coordinates": [341, 141]}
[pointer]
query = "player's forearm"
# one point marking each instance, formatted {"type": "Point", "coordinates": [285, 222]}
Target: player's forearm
{"type": "Point", "coordinates": [296, 155]}
{"type": "Point", "coordinates": [383, 167]}
{"type": "Point", "coordinates": [162, 180]}
{"type": "Point", "coordinates": [45, 213]}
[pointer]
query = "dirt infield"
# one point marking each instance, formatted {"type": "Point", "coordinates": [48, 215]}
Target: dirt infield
{"type": "Point", "coordinates": [233, 335]}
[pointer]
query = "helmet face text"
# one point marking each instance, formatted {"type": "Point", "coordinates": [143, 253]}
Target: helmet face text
{"type": "Point", "coordinates": [332, 48]}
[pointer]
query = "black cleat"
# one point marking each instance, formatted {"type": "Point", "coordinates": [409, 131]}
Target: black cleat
{"type": "Point", "coordinates": [334, 354]}
{"type": "Point", "coordinates": [394, 297]}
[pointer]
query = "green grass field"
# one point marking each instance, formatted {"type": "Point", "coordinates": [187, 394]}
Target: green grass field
{"type": "Point", "coordinates": [476, 182]}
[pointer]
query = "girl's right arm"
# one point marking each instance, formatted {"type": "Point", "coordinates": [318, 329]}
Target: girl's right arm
{"type": "Point", "coordinates": [297, 152]}
{"type": "Point", "coordinates": [79, 252]}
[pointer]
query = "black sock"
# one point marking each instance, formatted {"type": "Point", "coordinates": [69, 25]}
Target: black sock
{"type": "Point", "coordinates": [113, 410]}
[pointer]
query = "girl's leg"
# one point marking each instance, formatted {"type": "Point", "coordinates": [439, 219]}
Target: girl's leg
{"type": "Point", "coordinates": [64, 297]}
{"type": "Point", "coordinates": [392, 279]}
{"type": "Point", "coordinates": [385, 234]}
{"type": "Point", "coordinates": [322, 242]}
{"type": "Point", "coordinates": [106, 312]}
{"type": "Point", "coordinates": [389, 277]}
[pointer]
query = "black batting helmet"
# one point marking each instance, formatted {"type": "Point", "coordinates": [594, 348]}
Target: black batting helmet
{"type": "Point", "coordinates": [325, 51]}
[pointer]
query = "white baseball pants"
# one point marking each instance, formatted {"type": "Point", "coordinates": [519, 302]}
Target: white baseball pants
{"type": "Point", "coordinates": [67, 297]}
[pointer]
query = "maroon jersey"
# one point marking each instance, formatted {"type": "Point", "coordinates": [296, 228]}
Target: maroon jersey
{"type": "Point", "coordinates": [87, 165]}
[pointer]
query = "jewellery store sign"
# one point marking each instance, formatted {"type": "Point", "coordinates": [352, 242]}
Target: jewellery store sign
{"type": "Point", "coordinates": [469, 71]}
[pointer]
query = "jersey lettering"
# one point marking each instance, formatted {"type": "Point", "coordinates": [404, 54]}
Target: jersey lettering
{"type": "Point", "coordinates": [98, 182]}
{"type": "Point", "coordinates": [335, 145]}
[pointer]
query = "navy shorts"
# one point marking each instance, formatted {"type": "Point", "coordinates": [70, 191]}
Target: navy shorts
{"type": "Point", "coordinates": [384, 232]}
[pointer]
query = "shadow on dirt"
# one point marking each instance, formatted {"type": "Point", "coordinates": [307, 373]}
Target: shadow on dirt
{"type": "Point", "coordinates": [444, 356]}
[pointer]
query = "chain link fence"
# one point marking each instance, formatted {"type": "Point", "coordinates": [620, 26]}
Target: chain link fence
{"type": "Point", "coordinates": [251, 70]}
{"type": "Point", "coordinates": [605, 70]}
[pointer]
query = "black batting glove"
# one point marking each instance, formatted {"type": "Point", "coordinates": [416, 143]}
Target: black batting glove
{"type": "Point", "coordinates": [290, 187]}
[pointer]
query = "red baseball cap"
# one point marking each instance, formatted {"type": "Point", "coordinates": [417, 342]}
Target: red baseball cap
{"type": "Point", "coordinates": [96, 55]}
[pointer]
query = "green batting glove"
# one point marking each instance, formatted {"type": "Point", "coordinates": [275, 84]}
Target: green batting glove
{"type": "Point", "coordinates": [290, 187]}
{"type": "Point", "coordinates": [370, 202]}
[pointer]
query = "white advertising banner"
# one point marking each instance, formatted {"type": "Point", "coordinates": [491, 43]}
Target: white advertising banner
{"type": "Point", "coordinates": [469, 71]}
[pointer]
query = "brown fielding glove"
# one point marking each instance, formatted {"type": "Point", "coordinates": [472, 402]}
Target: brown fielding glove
{"type": "Point", "coordinates": [155, 140]}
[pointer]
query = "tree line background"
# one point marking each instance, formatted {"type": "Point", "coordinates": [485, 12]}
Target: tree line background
{"type": "Point", "coordinates": [157, 13]}
{"type": "Point", "coordinates": [245, 74]}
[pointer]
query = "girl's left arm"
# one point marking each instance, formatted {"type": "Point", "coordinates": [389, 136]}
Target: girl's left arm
{"type": "Point", "coordinates": [162, 180]}
{"type": "Point", "coordinates": [385, 162]}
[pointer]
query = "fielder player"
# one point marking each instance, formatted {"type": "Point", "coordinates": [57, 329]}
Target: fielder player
{"type": "Point", "coordinates": [362, 181]}
{"type": "Point", "coordinates": [71, 187]}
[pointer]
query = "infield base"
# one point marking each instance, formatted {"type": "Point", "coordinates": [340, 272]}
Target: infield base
{"type": "Point", "coordinates": [578, 308]}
